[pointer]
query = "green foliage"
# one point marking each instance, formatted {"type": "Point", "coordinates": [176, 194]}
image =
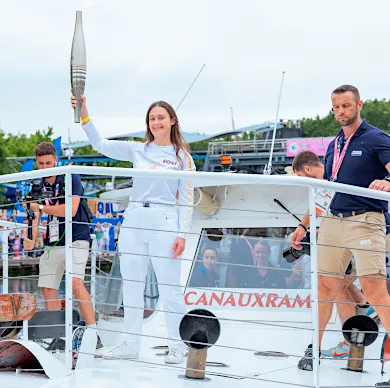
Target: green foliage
{"type": "Point", "coordinates": [88, 150]}
{"type": "Point", "coordinates": [200, 145]}
{"type": "Point", "coordinates": [376, 112]}
{"type": "Point", "coordinates": [22, 145]}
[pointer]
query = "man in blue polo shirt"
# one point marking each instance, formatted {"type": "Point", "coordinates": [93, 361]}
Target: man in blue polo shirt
{"type": "Point", "coordinates": [359, 156]}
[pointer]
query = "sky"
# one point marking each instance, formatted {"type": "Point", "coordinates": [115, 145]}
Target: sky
{"type": "Point", "coordinates": [142, 51]}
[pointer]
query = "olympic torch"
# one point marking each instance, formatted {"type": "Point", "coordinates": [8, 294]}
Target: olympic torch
{"type": "Point", "coordinates": [78, 64]}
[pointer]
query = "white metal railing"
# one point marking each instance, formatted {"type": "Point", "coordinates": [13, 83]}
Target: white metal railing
{"type": "Point", "coordinates": [245, 146]}
{"type": "Point", "coordinates": [198, 179]}
{"type": "Point", "coordinates": [4, 233]}
{"type": "Point", "coordinates": [8, 226]}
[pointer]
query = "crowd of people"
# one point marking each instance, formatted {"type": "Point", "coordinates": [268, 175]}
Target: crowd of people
{"type": "Point", "coordinates": [17, 235]}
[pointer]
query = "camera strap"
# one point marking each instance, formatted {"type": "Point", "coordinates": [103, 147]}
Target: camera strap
{"type": "Point", "coordinates": [324, 197]}
{"type": "Point", "coordinates": [48, 201]}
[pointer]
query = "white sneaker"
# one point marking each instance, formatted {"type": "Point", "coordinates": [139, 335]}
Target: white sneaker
{"type": "Point", "coordinates": [121, 352]}
{"type": "Point", "coordinates": [174, 356]}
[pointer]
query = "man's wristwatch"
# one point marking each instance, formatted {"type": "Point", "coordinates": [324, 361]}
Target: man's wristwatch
{"type": "Point", "coordinates": [40, 207]}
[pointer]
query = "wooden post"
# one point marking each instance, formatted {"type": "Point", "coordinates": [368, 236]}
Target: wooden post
{"type": "Point", "coordinates": [354, 353]}
{"type": "Point", "coordinates": [196, 363]}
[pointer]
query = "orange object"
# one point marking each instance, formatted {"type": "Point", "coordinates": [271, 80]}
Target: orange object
{"type": "Point", "coordinates": [226, 160]}
{"type": "Point", "coordinates": [17, 307]}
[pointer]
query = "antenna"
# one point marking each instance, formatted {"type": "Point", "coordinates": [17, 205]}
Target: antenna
{"type": "Point", "coordinates": [268, 167]}
{"type": "Point", "coordinates": [190, 87]}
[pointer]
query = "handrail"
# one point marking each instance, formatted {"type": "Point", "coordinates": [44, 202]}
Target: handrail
{"type": "Point", "coordinates": [11, 225]}
{"type": "Point", "coordinates": [201, 178]}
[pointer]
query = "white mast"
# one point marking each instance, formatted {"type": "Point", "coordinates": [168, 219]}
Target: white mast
{"type": "Point", "coordinates": [268, 167]}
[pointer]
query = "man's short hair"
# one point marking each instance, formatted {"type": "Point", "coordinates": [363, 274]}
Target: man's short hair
{"type": "Point", "coordinates": [348, 88]}
{"type": "Point", "coordinates": [45, 148]}
{"type": "Point", "coordinates": [305, 158]}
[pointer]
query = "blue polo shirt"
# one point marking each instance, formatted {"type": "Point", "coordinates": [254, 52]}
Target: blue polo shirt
{"type": "Point", "coordinates": [79, 231]}
{"type": "Point", "coordinates": [365, 160]}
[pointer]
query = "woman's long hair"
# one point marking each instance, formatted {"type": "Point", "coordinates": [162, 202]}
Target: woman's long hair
{"type": "Point", "coordinates": [176, 136]}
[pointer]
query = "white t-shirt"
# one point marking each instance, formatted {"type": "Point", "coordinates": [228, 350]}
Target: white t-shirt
{"type": "Point", "coordinates": [106, 231]}
{"type": "Point", "coordinates": [151, 156]}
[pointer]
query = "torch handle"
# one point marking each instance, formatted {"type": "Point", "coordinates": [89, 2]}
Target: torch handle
{"type": "Point", "coordinates": [77, 111]}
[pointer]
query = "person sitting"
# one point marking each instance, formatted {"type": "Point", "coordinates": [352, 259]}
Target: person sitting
{"type": "Point", "coordinates": [204, 274]}
{"type": "Point", "coordinates": [262, 276]}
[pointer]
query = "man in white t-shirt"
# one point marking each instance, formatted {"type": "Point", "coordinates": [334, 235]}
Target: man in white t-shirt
{"type": "Point", "coordinates": [106, 236]}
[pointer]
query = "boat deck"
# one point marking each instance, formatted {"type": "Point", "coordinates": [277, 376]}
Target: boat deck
{"type": "Point", "coordinates": [235, 348]}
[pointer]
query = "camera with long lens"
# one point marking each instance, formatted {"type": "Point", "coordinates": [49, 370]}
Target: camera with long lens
{"type": "Point", "coordinates": [36, 192]}
{"type": "Point", "coordinates": [291, 254]}
{"type": "Point", "coordinates": [31, 191]}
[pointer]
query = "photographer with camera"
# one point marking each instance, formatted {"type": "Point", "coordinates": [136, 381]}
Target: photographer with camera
{"type": "Point", "coordinates": [51, 192]}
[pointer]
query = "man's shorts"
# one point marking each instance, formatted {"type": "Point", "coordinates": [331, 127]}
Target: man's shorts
{"type": "Point", "coordinates": [361, 236]}
{"type": "Point", "coordinates": [52, 264]}
{"type": "Point", "coordinates": [351, 269]}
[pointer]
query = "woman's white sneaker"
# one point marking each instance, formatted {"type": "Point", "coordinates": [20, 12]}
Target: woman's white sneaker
{"type": "Point", "coordinates": [125, 351]}
{"type": "Point", "coordinates": [174, 356]}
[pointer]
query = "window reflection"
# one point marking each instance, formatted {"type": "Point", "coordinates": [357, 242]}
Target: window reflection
{"type": "Point", "coordinates": [205, 273]}
{"type": "Point", "coordinates": [247, 258]}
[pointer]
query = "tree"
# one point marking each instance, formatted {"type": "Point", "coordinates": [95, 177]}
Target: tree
{"type": "Point", "coordinates": [87, 150]}
{"type": "Point", "coordinates": [376, 112]}
{"type": "Point", "coordinates": [22, 145]}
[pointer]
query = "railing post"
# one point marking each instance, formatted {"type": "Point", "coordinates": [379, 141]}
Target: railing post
{"type": "Point", "coordinates": [68, 271]}
{"type": "Point", "coordinates": [4, 254]}
{"type": "Point", "coordinates": [314, 284]}
{"type": "Point", "coordinates": [93, 270]}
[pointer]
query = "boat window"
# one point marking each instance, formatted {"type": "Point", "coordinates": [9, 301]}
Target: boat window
{"type": "Point", "coordinates": [247, 258]}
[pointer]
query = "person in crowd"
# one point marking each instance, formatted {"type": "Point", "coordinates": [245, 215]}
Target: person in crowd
{"type": "Point", "coordinates": [117, 230]}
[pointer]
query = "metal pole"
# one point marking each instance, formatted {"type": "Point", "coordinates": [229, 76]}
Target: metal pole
{"type": "Point", "coordinates": [4, 253]}
{"type": "Point", "coordinates": [69, 149]}
{"type": "Point", "coordinates": [268, 168]}
{"type": "Point", "coordinates": [68, 268]}
{"type": "Point", "coordinates": [233, 126]}
{"type": "Point", "coordinates": [190, 87]}
{"type": "Point", "coordinates": [93, 270]}
{"type": "Point", "coordinates": [314, 285]}
{"type": "Point", "coordinates": [254, 137]}
{"type": "Point", "coordinates": [25, 330]}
